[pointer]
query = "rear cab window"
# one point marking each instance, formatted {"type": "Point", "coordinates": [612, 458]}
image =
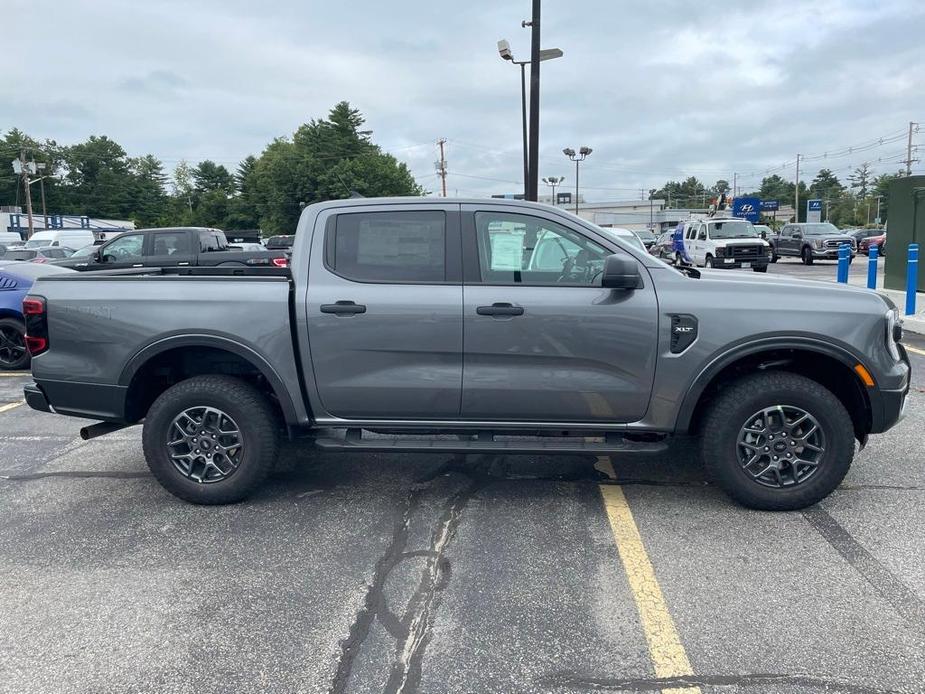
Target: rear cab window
{"type": "Point", "coordinates": [388, 247]}
{"type": "Point", "coordinates": [211, 241]}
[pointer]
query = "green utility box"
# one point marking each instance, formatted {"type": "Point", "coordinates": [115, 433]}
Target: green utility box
{"type": "Point", "coordinates": [905, 225]}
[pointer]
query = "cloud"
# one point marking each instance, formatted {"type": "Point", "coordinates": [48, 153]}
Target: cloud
{"type": "Point", "coordinates": [660, 90]}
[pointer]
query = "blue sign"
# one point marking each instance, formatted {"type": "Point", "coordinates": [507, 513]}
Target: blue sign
{"type": "Point", "coordinates": [770, 205]}
{"type": "Point", "coordinates": [747, 208]}
{"type": "Point", "coordinates": [814, 205]}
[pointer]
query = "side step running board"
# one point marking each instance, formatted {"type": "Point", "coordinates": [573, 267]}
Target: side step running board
{"type": "Point", "coordinates": [486, 442]}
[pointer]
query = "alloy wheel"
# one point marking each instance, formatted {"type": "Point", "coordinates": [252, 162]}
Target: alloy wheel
{"type": "Point", "coordinates": [781, 446]}
{"type": "Point", "coordinates": [12, 346]}
{"type": "Point", "coordinates": [205, 444]}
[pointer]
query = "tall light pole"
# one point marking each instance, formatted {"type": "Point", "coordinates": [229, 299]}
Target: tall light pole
{"type": "Point", "coordinates": [553, 182]}
{"type": "Point", "coordinates": [504, 49]}
{"type": "Point", "coordinates": [877, 220]}
{"type": "Point", "coordinates": [582, 154]}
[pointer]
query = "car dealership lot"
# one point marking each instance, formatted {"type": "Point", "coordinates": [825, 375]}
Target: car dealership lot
{"type": "Point", "coordinates": [440, 573]}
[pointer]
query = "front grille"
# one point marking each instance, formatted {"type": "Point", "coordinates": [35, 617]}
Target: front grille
{"type": "Point", "coordinates": [745, 252]}
{"type": "Point", "coordinates": [836, 243]}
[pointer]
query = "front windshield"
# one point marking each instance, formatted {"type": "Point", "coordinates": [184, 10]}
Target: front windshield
{"type": "Point", "coordinates": [86, 250]}
{"type": "Point", "coordinates": [645, 235]}
{"type": "Point", "coordinates": [820, 229]}
{"type": "Point", "coordinates": [36, 243]}
{"type": "Point", "coordinates": [733, 229]}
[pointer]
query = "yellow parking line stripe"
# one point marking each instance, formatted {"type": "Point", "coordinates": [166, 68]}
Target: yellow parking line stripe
{"type": "Point", "coordinates": [915, 349]}
{"type": "Point", "coordinates": [665, 649]}
{"type": "Point", "coordinates": [11, 406]}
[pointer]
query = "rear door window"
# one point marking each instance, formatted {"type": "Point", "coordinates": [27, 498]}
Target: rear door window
{"type": "Point", "coordinates": [168, 243]}
{"type": "Point", "coordinates": [403, 247]}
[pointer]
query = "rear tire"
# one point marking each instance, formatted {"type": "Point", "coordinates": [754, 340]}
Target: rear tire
{"type": "Point", "coordinates": [807, 256]}
{"type": "Point", "coordinates": [13, 352]}
{"type": "Point", "coordinates": [726, 453]}
{"type": "Point", "coordinates": [241, 460]}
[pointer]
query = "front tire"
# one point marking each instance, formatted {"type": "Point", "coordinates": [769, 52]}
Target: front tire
{"type": "Point", "coordinates": [708, 263]}
{"type": "Point", "coordinates": [13, 352]}
{"type": "Point", "coordinates": [777, 441]}
{"type": "Point", "coordinates": [211, 439]}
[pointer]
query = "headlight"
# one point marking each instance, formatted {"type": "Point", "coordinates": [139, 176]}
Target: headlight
{"type": "Point", "coordinates": [894, 332]}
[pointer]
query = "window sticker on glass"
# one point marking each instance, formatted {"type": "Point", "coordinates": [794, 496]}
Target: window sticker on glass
{"type": "Point", "coordinates": [507, 251]}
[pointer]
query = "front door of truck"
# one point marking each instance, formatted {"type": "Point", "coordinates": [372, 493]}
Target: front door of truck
{"type": "Point", "coordinates": [122, 252]}
{"type": "Point", "coordinates": [384, 312]}
{"type": "Point", "coordinates": [543, 340]}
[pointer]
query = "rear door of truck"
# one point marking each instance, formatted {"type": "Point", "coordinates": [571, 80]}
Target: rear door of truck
{"type": "Point", "coordinates": [384, 311]}
{"type": "Point", "coordinates": [171, 247]}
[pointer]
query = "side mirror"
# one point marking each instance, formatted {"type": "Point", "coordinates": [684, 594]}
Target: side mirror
{"type": "Point", "coordinates": [702, 236]}
{"type": "Point", "coordinates": [798, 234]}
{"type": "Point", "coordinates": [96, 257]}
{"type": "Point", "coordinates": [621, 272]}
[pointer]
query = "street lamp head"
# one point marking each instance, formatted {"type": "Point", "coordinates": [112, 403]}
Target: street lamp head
{"type": "Point", "coordinates": [584, 151]}
{"type": "Point", "coordinates": [504, 48]}
{"type": "Point", "coordinates": [569, 152]}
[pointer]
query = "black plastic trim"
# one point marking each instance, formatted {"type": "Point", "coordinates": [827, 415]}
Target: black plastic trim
{"type": "Point", "coordinates": [252, 357]}
{"type": "Point", "coordinates": [700, 383]}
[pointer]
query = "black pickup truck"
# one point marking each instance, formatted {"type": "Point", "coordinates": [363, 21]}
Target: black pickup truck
{"type": "Point", "coordinates": [168, 247]}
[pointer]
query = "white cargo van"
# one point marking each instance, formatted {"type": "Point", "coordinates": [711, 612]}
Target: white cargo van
{"type": "Point", "coordinates": [10, 238]}
{"type": "Point", "coordinates": [69, 238]}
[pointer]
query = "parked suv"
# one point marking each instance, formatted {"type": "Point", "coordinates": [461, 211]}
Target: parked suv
{"type": "Point", "coordinates": [811, 241]}
{"type": "Point", "coordinates": [725, 243]}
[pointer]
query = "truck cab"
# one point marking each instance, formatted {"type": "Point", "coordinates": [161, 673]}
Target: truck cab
{"type": "Point", "coordinates": [725, 243]}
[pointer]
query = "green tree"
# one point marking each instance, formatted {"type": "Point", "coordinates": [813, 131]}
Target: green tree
{"type": "Point", "coordinates": [881, 189]}
{"type": "Point", "coordinates": [150, 201]}
{"type": "Point", "coordinates": [860, 180]}
{"type": "Point", "coordinates": [826, 186]}
{"type": "Point", "coordinates": [242, 210]}
{"type": "Point", "coordinates": [325, 159]}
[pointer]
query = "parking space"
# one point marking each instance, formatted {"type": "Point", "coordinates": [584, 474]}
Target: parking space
{"type": "Point", "coordinates": [440, 573]}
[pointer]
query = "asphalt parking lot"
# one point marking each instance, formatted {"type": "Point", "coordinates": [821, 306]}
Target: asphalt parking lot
{"type": "Point", "coordinates": [436, 573]}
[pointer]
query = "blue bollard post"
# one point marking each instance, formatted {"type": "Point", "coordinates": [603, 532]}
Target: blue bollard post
{"type": "Point", "coordinates": [844, 253]}
{"type": "Point", "coordinates": [912, 276]}
{"type": "Point", "coordinates": [872, 267]}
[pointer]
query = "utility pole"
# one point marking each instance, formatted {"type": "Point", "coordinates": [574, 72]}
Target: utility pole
{"type": "Point", "coordinates": [441, 165]}
{"type": "Point", "coordinates": [534, 157]}
{"type": "Point", "coordinates": [27, 185]}
{"type": "Point", "coordinates": [41, 168]}
{"type": "Point", "coordinates": [796, 194]}
{"type": "Point", "coordinates": [909, 160]}
{"type": "Point", "coordinates": [735, 185]}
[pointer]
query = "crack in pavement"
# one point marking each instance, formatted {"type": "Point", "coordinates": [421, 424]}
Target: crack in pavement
{"type": "Point", "coordinates": [412, 630]}
{"type": "Point", "coordinates": [651, 684]}
{"type": "Point", "coordinates": [903, 599]}
{"type": "Point", "coordinates": [78, 474]}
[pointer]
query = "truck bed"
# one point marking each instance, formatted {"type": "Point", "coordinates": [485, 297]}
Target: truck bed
{"type": "Point", "coordinates": [103, 326]}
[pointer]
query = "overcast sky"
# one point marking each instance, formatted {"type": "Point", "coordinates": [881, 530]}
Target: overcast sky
{"type": "Point", "coordinates": [659, 89]}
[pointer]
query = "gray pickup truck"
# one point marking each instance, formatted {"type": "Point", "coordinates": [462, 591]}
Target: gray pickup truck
{"type": "Point", "coordinates": [420, 324]}
{"type": "Point", "coordinates": [810, 242]}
